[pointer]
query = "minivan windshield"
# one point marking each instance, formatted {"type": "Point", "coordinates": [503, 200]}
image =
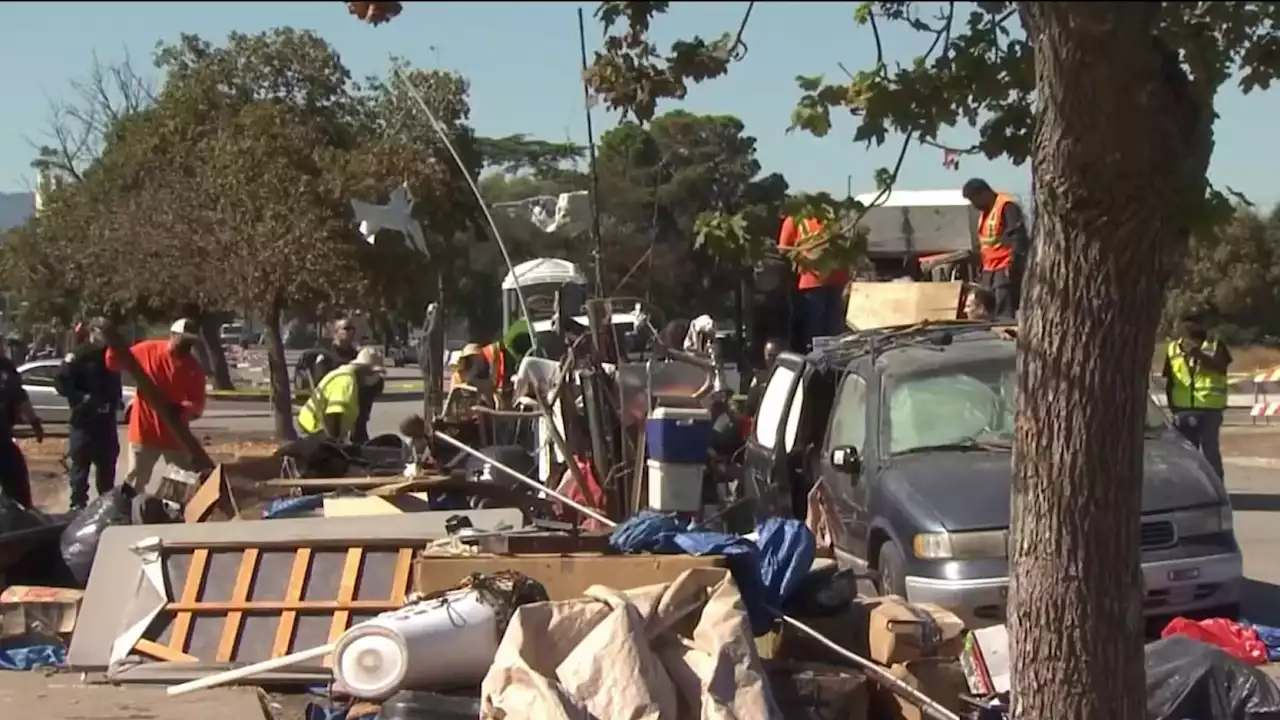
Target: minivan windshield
{"type": "Point", "coordinates": [964, 406]}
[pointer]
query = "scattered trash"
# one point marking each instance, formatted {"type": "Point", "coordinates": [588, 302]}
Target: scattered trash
{"type": "Point", "coordinates": [1270, 636]}
{"type": "Point", "coordinates": [122, 506]}
{"type": "Point", "coordinates": [1187, 678]}
{"type": "Point", "coordinates": [1239, 640]}
{"type": "Point", "coordinates": [293, 507]}
{"type": "Point", "coordinates": [45, 611]}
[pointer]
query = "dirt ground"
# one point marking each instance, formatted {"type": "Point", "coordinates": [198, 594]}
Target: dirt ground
{"type": "Point", "coordinates": [1243, 359]}
{"type": "Point", "coordinates": [1252, 441]}
{"type": "Point", "coordinates": [64, 696]}
{"type": "Point", "coordinates": [49, 476]}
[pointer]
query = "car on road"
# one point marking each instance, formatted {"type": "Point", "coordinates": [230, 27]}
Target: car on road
{"type": "Point", "coordinates": [911, 431]}
{"type": "Point", "coordinates": [37, 380]}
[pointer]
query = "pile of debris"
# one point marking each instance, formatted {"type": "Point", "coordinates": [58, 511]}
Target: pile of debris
{"type": "Point", "coordinates": [426, 578]}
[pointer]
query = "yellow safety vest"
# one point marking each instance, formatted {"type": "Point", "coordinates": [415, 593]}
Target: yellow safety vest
{"type": "Point", "coordinates": [1192, 387]}
{"type": "Point", "coordinates": [336, 394]}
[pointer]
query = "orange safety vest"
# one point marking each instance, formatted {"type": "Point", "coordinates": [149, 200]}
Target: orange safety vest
{"type": "Point", "coordinates": [492, 354]}
{"type": "Point", "coordinates": [990, 226]}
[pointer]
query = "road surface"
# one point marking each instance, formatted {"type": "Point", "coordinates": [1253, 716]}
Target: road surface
{"type": "Point", "coordinates": [1255, 495]}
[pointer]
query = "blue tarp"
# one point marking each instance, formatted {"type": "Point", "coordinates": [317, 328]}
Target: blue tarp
{"type": "Point", "coordinates": [766, 573]}
{"type": "Point", "coordinates": [32, 657]}
{"type": "Point", "coordinates": [1270, 636]}
{"type": "Point", "coordinates": [292, 507]}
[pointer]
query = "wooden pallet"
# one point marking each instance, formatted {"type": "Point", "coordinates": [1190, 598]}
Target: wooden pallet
{"type": "Point", "coordinates": [173, 637]}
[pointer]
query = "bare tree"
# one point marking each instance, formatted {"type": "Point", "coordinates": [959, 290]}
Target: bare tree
{"type": "Point", "coordinates": [78, 125]}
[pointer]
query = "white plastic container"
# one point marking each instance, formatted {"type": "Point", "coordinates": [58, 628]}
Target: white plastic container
{"type": "Point", "coordinates": [675, 487]}
{"type": "Point", "coordinates": [435, 643]}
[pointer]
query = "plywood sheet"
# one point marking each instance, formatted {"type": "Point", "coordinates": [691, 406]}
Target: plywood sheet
{"type": "Point", "coordinates": [115, 596]}
{"type": "Point", "coordinates": [887, 304]}
{"type": "Point", "coordinates": [375, 505]}
{"type": "Point", "coordinates": [564, 576]}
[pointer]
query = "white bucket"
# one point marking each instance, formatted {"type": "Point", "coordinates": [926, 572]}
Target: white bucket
{"type": "Point", "coordinates": [450, 640]}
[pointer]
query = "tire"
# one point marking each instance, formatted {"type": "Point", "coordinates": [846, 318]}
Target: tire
{"type": "Point", "coordinates": [892, 570]}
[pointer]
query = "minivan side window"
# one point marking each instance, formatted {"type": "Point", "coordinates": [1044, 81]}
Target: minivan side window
{"type": "Point", "coordinates": [772, 406]}
{"type": "Point", "coordinates": [849, 420]}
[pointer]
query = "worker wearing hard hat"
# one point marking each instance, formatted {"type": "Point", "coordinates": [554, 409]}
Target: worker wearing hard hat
{"type": "Point", "coordinates": [462, 364]}
{"type": "Point", "coordinates": [334, 405]}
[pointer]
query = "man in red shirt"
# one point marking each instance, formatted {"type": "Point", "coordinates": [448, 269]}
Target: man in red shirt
{"type": "Point", "coordinates": [820, 294]}
{"type": "Point", "coordinates": [171, 365]}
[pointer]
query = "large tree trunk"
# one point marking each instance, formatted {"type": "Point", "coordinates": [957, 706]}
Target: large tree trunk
{"type": "Point", "coordinates": [1112, 182]}
{"type": "Point", "coordinates": [278, 372]}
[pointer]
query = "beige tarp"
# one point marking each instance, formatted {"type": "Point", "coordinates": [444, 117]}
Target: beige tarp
{"type": "Point", "coordinates": [663, 652]}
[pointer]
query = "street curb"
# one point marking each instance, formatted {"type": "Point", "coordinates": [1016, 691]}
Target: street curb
{"type": "Point", "coordinates": [242, 396]}
{"type": "Point", "coordinates": [298, 398]}
{"type": "Point", "coordinates": [1255, 462]}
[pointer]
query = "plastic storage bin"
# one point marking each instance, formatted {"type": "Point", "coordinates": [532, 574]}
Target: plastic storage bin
{"type": "Point", "coordinates": [675, 487]}
{"type": "Point", "coordinates": [678, 435]}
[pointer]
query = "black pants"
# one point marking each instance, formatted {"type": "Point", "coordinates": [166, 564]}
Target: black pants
{"type": "Point", "coordinates": [94, 443]}
{"type": "Point", "coordinates": [14, 481]}
{"type": "Point", "coordinates": [1004, 285]}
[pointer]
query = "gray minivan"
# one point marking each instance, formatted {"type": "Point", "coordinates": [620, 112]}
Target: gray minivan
{"type": "Point", "coordinates": [913, 429]}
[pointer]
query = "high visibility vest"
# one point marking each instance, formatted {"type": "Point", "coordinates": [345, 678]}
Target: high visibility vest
{"type": "Point", "coordinates": [492, 354]}
{"type": "Point", "coordinates": [990, 227]}
{"type": "Point", "coordinates": [1192, 387]}
{"type": "Point", "coordinates": [343, 380]}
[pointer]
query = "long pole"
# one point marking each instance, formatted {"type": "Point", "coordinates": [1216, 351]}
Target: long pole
{"type": "Point", "coordinates": [596, 252]}
{"type": "Point", "coordinates": [528, 481]}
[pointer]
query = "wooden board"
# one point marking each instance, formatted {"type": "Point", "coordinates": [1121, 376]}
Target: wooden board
{"type": "Point", "coordinates": [202, 586]}
{"type": "Point", "coordinates": [375, 505]}
{"type": "Point", "coordinates": [564, 576]}
{"type": "Point", "coordinates": [886, 304]}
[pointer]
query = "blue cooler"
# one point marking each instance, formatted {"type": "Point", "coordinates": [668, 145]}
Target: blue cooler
{"type": "Point", "coordinates": [678, 435]}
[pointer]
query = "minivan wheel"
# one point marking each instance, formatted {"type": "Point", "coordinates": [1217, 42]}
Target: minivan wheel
{"type": "Point", "coordinates": [890, 565]}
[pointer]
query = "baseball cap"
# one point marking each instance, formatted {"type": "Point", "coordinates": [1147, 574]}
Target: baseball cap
{"type": "Point", "coordinates": [372, 357]}
{"type": "Point", "coordinates": [185, 327]}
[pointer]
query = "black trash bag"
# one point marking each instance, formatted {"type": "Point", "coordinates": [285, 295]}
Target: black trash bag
{"type": "Point", "coordinates": [80, 539]}
{"type": "Point", "coordinates": [825, 592]}
{"type": "Point", "coordinates": [318, 456]}
{"type": "Point", "coordinates": [15, 517]}
{"type": "Point", "coordinates": [1188, 679]}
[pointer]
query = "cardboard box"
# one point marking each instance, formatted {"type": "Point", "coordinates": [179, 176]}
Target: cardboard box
{"type": "Point", "coordinates": [847, 629]}
{"type": "Point", "coordinates": [900, 632]}
{"type": "Point", "coordinates": [940, 679]}
{"type": "Point", "coordinates": [564, 576]}
{"type": "Point", "coordinates": [39, 610]}
{"type": "Point", "coordinates": [986, 661]}
{"type": "Point", "coordinates": [813, 691]}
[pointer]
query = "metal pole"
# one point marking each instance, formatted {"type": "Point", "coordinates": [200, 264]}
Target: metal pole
{"type": "Point", "coordinates": [528, 481]}
{"type": "Point", "coordinates": [596, 251]}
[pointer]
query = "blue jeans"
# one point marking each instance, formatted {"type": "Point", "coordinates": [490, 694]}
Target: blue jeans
{"type": "Point", "coordinates": [822, 312]}
{"type": "Point", "coordinates": [1202, 428]}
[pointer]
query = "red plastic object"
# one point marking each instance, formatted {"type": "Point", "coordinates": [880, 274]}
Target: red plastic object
{"type": "Point", "coordinates": [596, 501]}
{"type": "Point", "coordinates": [1240, 641]}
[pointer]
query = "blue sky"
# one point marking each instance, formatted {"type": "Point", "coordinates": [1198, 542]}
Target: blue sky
{"type": "Point", "coordinates": [523, 63]}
